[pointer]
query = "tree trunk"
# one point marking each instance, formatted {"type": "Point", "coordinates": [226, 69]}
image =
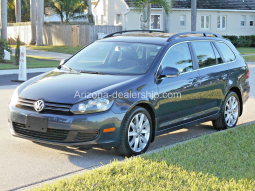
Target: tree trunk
{"type": "Point", "coordinates": [39, 29]}
{"type": "Point", "coordinates": [90, 15]}
{"type": "Point", "coordinates": [18, 10]}
{"type": "Point", "coordinates": [33, 21]}
{"type": "Point", "coordinates": [4, 19]}
{"type": "Point", "coordinates": [193, 15]}
{"type": "Point", "coordinates": [148, 17]}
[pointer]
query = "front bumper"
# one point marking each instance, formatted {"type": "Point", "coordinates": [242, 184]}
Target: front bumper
{"type": "Point", "coordinates": [69, 130]}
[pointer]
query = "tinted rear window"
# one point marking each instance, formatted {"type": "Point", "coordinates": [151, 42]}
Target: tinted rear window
{"type": "Point", "coordinates": [227, 53]}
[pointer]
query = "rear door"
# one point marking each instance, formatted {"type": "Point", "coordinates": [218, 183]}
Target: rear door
{"type": "Point", "coordinates": [213, 76]}
{"type": "Point", "coordinates": [178, 97]}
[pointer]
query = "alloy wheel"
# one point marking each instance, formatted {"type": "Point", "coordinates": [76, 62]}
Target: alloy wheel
{"type": "Point", "coordinates": [138, 132]}
{"type": "Point", "coordinates": [231, 111]}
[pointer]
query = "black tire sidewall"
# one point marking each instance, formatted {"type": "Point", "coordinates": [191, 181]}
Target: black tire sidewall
{"type": "Point", "coordinates": [130, 116]}
{"type": "Point", "coordinates": [224, 106]}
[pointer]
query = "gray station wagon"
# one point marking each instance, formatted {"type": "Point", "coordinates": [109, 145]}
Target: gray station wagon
{"type": "Point", "coordinates": [125, 89]}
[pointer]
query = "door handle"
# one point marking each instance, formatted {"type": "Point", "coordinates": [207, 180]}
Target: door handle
{"type": "Point", "coordinates": [195, 82]}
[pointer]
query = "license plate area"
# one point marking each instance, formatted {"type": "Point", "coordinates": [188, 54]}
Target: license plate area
{"type": "Point", "coordinates": [36, 123]}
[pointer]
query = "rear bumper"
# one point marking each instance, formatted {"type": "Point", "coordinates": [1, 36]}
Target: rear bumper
{"type": "Point", "coordinates": [72, 130]}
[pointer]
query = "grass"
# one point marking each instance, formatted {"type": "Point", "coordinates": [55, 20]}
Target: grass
{"type": "Point", "coordinates": [59, 49]}
{"type": "Point", "coordinates": [246, 50]}
{"type": "Point", "coordinates": [32, 62]}
{"type": "Point", "coordinates": [249, 58]}
{"type": "Point", "coordinates": [220, 161]}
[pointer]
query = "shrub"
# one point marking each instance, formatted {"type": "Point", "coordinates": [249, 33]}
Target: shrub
{"type": "Point", "coordinates": [252, 38]}
{"type": "Point", "coordinates": [4, 46]}
{"type": "Point", "coordinates": [17, 52]}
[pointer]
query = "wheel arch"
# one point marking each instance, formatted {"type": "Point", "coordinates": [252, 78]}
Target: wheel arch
{"type": "Point", "coordinates": [239, 93]}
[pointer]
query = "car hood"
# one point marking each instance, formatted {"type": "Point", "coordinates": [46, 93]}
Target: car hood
{"type": "Point", "coordinates": [66, 87]}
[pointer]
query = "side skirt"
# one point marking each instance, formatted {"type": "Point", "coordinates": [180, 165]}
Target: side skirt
{"type": "Point", "coordinates": [188, 124]}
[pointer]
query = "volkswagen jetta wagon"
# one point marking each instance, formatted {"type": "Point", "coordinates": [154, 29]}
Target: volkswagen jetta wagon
{"type": "Point", "coordinates": [125, 89]}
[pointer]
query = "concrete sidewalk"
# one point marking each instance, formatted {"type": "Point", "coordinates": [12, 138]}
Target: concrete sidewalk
{"type": "Point", "coordinates": [30, 70]}
{"type": "Point", "coordinates": [53, 55]}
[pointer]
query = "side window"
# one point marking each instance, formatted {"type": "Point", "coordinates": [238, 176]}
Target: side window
{"type": "Point", "coordinates": [226, 51]}
{"type": "Point", "coordinates": [204, 53]}
{"type": "Point", "coordinates": [179, 57]}
{"type": "Point", "coordinates": [218, 57]}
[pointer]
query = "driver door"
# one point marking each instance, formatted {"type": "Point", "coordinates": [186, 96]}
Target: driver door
{"type": "Point", "coordinates": [179, 96]}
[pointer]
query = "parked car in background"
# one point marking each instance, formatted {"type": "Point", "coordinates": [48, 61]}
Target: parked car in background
{"type": "Point", "coordinates": [125, 89]}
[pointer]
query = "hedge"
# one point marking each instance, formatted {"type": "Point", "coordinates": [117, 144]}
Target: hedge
{"type": "Point", "coordinates": [242, 41]}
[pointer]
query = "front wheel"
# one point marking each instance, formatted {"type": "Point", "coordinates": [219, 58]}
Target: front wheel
{"type": "Point", "coordinates": [229, 113]}
{"type": "Point", "coordinates": [136, 133]}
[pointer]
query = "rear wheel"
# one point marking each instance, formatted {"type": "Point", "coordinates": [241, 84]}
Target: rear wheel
{"type": "Point", "coordinates": [136, 133]}
{"type": "Point", "coordinates": [229, 113]}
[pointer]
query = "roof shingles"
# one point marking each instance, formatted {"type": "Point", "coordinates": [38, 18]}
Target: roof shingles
{"type": "Point", "coordinates": [211, 4]}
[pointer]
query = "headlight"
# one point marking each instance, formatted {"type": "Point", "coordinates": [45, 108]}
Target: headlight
{"type": "Point", "coordinates": [92, 106]}
{"type": "Point", "coordinates": [15, 96]}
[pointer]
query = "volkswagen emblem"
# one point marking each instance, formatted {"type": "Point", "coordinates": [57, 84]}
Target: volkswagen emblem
{"type": "Point", "coordinates": [39, 105]}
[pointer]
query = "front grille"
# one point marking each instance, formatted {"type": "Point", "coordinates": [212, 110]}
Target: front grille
{"type": "Point", "coordinates": [54, 108]}
{"type": "Point", "coordinates": [50, 135]}
{"type": "Point", "coordinates": [88, 135]}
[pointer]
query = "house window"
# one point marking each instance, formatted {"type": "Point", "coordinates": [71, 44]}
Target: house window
{"type": "Point", "coordinates": [205, 22]}
{"type": "Point", "coordinates": [118, 19]}
{"type": "Point", "coordinates": [183, 20]}
{"type": "Point", "coordinates": [243, 18]}
{"type": "Point", "coordinates": [102, 19]}
{"type": "Point", "coordinates": [252, 20]}
{"type": "Point", "coordinates": [155, 21]}
{"type": "Point", "coordinates": [221, 22]}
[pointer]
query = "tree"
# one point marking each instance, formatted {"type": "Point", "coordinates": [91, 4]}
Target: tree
{"type": "Point", "coordinates": [18, 10]}
{"type": "Point", "coordinates": [193, 15]}
{"type": "Point", "coordinates": [17, 52]}
{"type": "Point", "coordinates": [4, 18]}
{"type": "Point", "coordinates": [90, 15]}
{"type": "Point", "coordinates": [40, 22]}
{"type": "Point", "coordinates": [71, 9]}
{"type": "Point", "coordinates": [144, 7]}
{"type": "Point", "coordinates": [33, 19]}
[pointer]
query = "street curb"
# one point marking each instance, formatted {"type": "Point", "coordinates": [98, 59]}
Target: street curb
{"type": "Point", "coordinates": [69, 175]}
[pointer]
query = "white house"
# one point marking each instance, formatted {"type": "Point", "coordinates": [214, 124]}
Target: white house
{"type": "Point", "coordinates": [228, 17]}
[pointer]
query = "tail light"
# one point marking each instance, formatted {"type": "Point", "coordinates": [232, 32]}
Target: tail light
{"type": "Point", "coordinates": [248, 74]}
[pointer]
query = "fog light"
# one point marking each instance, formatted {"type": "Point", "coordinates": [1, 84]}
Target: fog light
{"type": "Point", "coordinates": [82, 108]}
{"type": "Point", "coordinates": [109, 130]}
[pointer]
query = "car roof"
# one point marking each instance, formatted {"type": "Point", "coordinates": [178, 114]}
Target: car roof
{"type": "Point", "coordinates": [156, 38]}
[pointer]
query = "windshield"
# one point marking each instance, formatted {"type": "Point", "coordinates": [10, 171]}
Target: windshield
{"type": "Point", "coordinates": [114, 58]}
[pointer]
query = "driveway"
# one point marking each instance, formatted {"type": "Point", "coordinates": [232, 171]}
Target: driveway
{"type": "Point", "coordinates": [53, 55]}
{"type": "Point", "coordinates": [24, 163]}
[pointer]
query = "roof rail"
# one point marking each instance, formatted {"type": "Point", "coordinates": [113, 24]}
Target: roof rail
{"type": "Point", "coordinates": [204, 33]}
{"type": "Point", "coordinates": [120, 32]}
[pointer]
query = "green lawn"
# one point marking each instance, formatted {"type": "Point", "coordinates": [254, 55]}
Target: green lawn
{"type": "Point", "coordinates": [246, 50]}
{"type": "Point", "coordinates": [59, 49]}
{"type": "Point", "coordinates": [31, 63]}
{"type": "Point", "coordinates": [249, 58]}
{"type": "Point", "coordinates": [220, 161]}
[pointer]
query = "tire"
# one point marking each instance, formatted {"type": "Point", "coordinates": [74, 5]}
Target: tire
{"type": "Point", "coordinates": [135, 139]}
{"type": "Point", "coordinates": [228, 115]}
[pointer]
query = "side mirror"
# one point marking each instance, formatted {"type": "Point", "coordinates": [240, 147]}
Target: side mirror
{"type": "Point", "coordinates": [62, 63]}
{"type": "Point", "coordinates": [169, 72]}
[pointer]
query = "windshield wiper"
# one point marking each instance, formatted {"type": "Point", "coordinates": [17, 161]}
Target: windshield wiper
{"type": "Point", "coordinates": [88, 72]}
{"type": "Point", "coordinates": [68, 68]}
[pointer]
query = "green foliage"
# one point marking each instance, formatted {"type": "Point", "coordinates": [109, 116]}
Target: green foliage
{"type": "Point", "coordinates": [242, 41]}
{"type": "Point", "coordinates": [220, 161]}
{"type": "Point", "coordinates": [25, 11]}
{"type": "Point", "coordinates": [71, 9]}
{"type": "Point", "coordinates": [4, 46]}
{"type": "Point", "coordinates": [17, 52]}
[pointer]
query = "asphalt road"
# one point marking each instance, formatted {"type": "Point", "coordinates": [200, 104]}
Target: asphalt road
{"type": "Point", "coordinates": [24, 163]}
